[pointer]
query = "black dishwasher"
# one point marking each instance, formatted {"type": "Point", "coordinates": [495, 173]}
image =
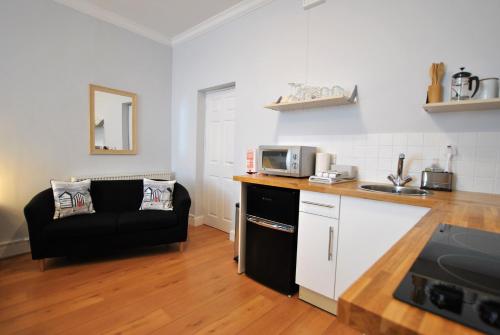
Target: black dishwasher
{"type": "Point", "coordinates": [271, 236]}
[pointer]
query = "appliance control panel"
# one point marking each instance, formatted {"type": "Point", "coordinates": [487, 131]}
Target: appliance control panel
{"type": "Point", "coordinates": [294, 165]}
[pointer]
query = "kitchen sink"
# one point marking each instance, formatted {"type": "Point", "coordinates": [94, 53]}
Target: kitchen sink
{"type": "Point", "coordinates": [394, 189]}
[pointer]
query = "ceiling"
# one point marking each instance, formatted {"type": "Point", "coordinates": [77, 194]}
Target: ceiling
{"type": "Point", "coordinates": [168, 18]}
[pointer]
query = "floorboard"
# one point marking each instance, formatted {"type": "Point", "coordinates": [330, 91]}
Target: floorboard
{"type": "Point", "coordinates": [151, 291]}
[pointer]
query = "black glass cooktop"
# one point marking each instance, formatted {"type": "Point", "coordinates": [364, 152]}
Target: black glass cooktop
{"type": "Point", "coordinates": [457, 276]}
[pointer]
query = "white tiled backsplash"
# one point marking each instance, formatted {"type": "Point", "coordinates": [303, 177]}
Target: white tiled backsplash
{"type": "Point", "coordinates": [476, 166]}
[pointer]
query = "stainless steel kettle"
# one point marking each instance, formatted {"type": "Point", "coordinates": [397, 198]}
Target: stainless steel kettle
{"type": "Point", "coordinates": [461, 85]}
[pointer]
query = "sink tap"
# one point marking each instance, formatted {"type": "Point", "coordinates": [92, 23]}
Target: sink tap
{"type": "Point", "coordinates": [399, 180]}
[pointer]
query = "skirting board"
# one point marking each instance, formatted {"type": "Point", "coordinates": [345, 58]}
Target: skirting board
{"type": "Point", "coordinates": [195, 221]}
{"type": "Point", "coordinates": [318, 300]}
{"type": "Point", "coordinates": [16, 247]}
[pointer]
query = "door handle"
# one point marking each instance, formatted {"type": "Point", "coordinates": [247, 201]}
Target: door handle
{"type": "Point", "coordinates": [330, 243]}
{"type": "Point", "coordinates": [317, 204]}
{"type": "Point", "coordinates": [271, 224]}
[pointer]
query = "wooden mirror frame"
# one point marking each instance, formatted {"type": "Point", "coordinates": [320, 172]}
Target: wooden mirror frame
{"type": "Point", "coordinates": [93, 151]}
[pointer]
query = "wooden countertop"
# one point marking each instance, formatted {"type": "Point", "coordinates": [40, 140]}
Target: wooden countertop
{"type": "Point", "coordinates": [368, 304]}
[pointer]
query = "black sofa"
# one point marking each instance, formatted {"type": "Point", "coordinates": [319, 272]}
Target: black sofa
{"type": "Point", "coordinates": [117, 223]}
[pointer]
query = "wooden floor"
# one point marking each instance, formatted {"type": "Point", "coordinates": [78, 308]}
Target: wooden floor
{"type": "Point", "coordinates": [151, 291]}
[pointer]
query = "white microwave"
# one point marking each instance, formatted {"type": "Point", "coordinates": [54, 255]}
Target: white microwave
{"type": "Point", "coordinates": [284, 160]}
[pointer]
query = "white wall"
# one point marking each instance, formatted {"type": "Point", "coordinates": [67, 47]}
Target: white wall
{"type": "Point", "coordinates": [384, 46]}
{"type": "Point", "coordinates": [49, 55]}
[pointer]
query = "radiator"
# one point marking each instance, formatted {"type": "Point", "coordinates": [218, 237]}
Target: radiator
{"type": "Point", "coordinates": [150, 175]}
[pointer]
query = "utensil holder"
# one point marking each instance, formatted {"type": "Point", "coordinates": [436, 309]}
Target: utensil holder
{"type": "Point", "coordinates": [434, 93]}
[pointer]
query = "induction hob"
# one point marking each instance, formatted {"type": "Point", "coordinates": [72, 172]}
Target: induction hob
{"type": "Point", "coordinates": [457, 276]}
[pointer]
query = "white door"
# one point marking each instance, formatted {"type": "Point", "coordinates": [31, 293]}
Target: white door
{"type": "Point", "coordinates": [316, 253]}
{"type": "Point", "coordinates": [219, 190]}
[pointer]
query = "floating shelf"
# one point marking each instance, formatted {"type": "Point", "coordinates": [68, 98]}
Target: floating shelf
{"type": "Point", "coordinates": [461, 106]}
{"type": "Point", "coordinates": [316, 103]}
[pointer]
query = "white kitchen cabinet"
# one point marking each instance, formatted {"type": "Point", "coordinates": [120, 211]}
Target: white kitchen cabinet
{"type": "Point", "coordinates": [317, 248]}
{"type": "Point", "coordinates": [317, 253]}
{"type": "Point", "coordinates": [367, 230]}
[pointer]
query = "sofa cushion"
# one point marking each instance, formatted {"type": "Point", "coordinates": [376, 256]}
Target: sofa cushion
{"type": "Point", "coordinates": [72, 198]}
{"type": "Point", "coordinates": [158, 195]}
{"type": "Point", "coordinates": [82, 226]}
{"type": "Point", "coordinates": [146, 220]}
{"type": "Point", "coordinates": [116, 195]}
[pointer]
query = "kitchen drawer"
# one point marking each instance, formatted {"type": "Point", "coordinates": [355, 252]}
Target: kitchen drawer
{"type": "Point", "coordinates": [323, 204]}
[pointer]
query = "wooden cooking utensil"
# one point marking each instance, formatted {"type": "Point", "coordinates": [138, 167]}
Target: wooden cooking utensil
{"type": "Point", "coordinates": [440, 72]}
{"type": "Point", "coordinates": [435, 91]}
{"type": "Point", "coordinates": [434, 78]}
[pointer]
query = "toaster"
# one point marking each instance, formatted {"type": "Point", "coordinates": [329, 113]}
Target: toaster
{"type": "Point", "coordinates": [438, 181]}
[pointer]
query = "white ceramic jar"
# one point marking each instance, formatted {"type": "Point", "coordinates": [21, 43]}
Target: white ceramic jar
{"type": "Point", "coordinates": [488, 88]}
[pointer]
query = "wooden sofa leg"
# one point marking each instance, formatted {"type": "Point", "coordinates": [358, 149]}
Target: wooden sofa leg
{"type": "Point", "coordinates": [181, 246]}
{"type": "Point", "coordinates": [42, 263]}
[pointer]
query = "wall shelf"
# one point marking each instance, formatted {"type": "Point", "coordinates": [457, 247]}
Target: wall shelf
{"type": "Point", "coordinates": [316, 103]}
{"type": "Point", "coordinates": [461, 106]}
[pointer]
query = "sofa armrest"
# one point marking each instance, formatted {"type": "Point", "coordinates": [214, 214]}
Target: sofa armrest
{"type": "Point", "coordinates": [38, 212]}
{"type": "Point", "coordinates": [182, 204]}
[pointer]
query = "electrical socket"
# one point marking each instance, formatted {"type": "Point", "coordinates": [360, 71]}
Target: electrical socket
{"type": "Point", "coordinates": [308, 4]}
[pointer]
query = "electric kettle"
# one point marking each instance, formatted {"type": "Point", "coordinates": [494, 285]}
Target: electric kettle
{"type": "Point", "coordinates": [461, 85]}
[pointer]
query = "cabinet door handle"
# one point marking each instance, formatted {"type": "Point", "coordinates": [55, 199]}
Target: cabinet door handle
{"type": "Point", "coordinates": [330, 244]}
{"type": "Point", "coordinates": [271, 224]}
{"type": "Point", "coordinates": [317, 204]}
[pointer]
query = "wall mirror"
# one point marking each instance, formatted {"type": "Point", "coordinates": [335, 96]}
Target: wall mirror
{"type": "Point", "coordinates": [113, 115]}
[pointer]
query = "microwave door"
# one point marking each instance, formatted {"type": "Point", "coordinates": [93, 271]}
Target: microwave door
{"type": "Point", "coordinates": [275, 160]}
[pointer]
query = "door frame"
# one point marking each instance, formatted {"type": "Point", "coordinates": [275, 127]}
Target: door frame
{"type": "Point", "coordinates": [200, 151]}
